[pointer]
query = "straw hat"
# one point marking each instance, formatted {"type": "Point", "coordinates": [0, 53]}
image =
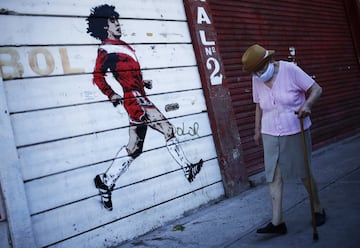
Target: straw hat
{"type": "Point", "coordinates": [254, 57]}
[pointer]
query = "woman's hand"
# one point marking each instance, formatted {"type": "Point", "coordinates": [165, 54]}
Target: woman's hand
{"type": "Point", "coordinates": [315, 93]}
{"type": "Point", "coordinates": [257, 138]}
{"type": "Point", "coordinates": [258, 116]}
{"type": "Point", "coordinates": [303, 112]}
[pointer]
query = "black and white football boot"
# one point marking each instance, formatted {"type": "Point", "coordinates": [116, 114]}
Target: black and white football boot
{"type": "Point", "coordinates": [192, 170]}
{"type": "Point", "coordinates": [104, 191]}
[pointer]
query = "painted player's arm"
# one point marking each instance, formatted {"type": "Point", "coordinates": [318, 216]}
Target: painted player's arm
{"type": "Point", "coordinates": [116, 100]}
{"type": "Point", "coordinates": [148, 84]}
{"type": "Point", "coordinates": [99, 79]}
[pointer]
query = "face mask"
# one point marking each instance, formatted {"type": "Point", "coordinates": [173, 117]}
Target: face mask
{"type": "Point", "coordinates": [268, 73]}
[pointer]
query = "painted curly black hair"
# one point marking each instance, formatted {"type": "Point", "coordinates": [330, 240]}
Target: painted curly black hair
{"type": "Point", "coordinates": [97, 20]}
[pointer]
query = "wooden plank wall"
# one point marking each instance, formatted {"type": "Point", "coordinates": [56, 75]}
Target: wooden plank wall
{"type": "Point", "coordinates": [66, 131]}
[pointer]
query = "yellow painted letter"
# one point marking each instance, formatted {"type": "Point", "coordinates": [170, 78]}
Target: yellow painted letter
{"type": "Point", "coordinates": [9, 64]}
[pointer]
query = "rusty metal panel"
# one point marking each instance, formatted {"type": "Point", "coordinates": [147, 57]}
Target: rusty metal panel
{"type": "Point", "coordinates": [218, 101]}
{"type": "Point", "coordinates": [319, 31]}
{"type": "Point", "coordinates": [353, 13]}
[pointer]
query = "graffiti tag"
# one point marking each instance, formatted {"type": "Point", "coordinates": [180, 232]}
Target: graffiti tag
{"type": "Point", "coordinates": [191, 130]}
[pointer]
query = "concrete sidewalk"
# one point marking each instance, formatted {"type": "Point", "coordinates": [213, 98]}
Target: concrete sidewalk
{"type": "Point", "coordinates": [233, 222]}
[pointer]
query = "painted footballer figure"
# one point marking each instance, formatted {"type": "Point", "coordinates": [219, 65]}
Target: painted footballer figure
{"type": "Point", "coordinates": [119, 58]}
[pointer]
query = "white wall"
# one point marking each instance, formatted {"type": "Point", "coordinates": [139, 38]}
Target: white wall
{"type": "Point", "coordinates": [65, 131]}
{"type": "Point", "coordinates": [4, 231]}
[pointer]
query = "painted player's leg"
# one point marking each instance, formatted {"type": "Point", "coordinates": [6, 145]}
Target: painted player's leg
{"type": "Point", "coordinates": [125, 156]}
{"type": "Point", "coordinates": [176, 151]}
{"type": "Point", "coordinates": [118, 166]}
{"type": "Point", "coordinates": [158, 122]}
{"type": "Point", "coordinates": [106, 182]}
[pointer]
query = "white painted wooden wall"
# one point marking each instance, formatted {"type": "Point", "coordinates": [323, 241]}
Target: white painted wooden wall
{"type": "Point", "coordinates": [65, 131]}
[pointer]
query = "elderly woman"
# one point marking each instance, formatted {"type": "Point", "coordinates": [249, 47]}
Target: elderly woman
{"type": "Point", "coordinates": [279, 91]}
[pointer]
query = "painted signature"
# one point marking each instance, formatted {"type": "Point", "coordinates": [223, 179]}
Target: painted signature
{"type": "Point", "coordinates": [191, 130]}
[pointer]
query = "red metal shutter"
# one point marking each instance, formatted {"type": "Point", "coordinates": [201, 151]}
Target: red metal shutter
{"type": "Point", "coordinates": [319, 31]}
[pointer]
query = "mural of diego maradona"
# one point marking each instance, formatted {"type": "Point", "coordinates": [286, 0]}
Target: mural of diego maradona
{"type": "Point", "coordinates": [119, 58]}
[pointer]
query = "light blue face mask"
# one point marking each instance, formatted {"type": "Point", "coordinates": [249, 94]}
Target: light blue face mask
{"type": "Point", "coordinates": [268, 73]}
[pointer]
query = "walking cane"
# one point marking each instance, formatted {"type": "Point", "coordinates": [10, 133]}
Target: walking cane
{"type": "Point", "coordinates": [308, 175]}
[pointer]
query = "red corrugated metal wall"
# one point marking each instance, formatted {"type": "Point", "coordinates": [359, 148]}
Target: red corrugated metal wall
{"type": "Point", "coordinates": [319, 30]}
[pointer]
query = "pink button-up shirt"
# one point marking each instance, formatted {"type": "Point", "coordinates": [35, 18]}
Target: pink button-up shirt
{"type": "Point", "coordinates": [279, 103]}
